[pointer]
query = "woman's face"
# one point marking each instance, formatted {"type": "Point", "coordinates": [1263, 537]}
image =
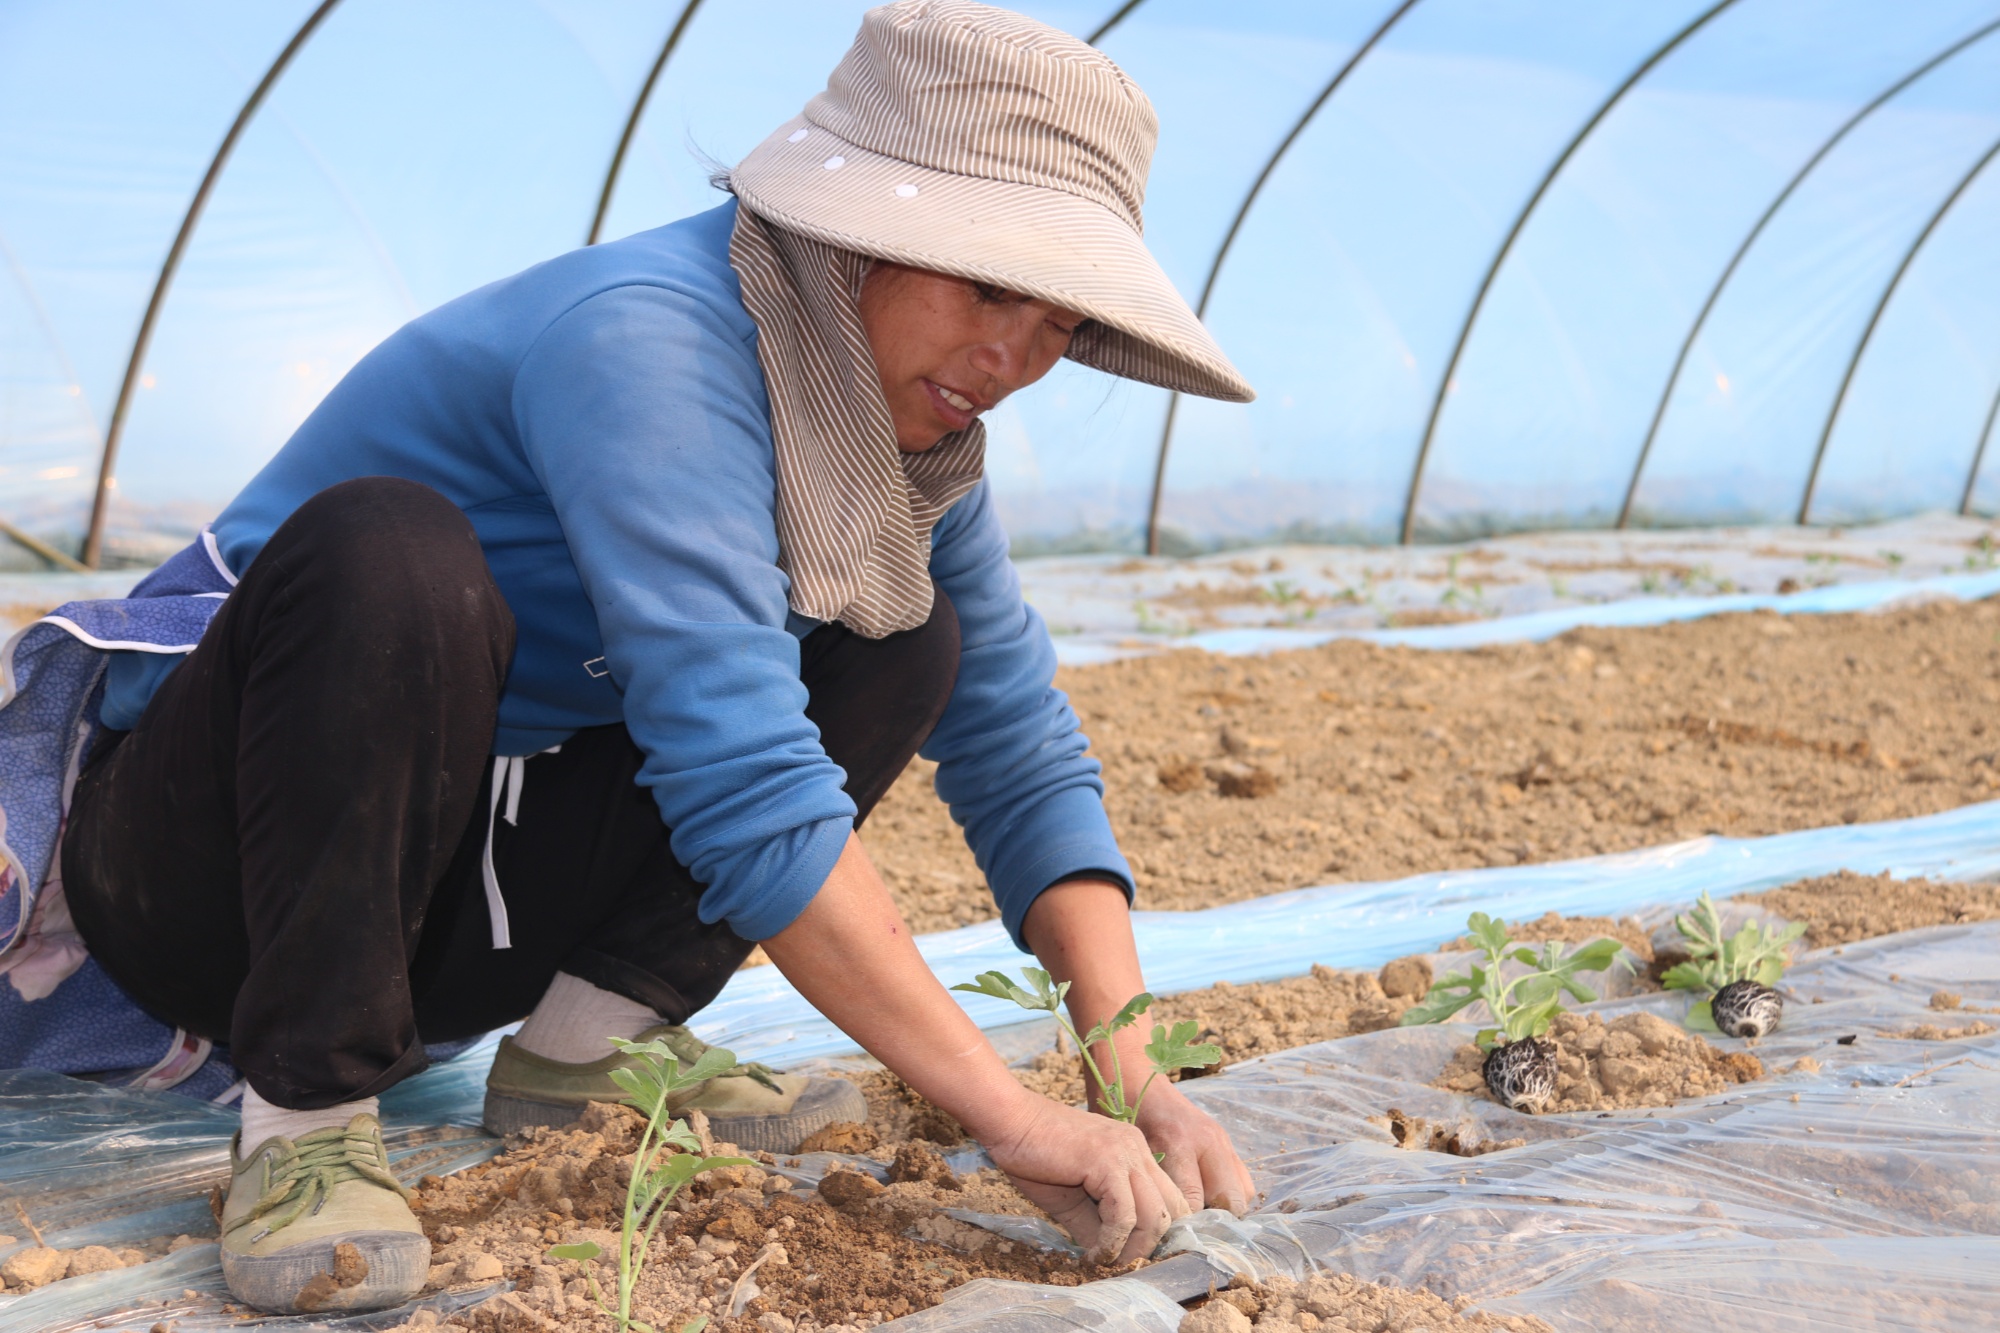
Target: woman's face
{"type": "Point", "coordinates": [948, 348]}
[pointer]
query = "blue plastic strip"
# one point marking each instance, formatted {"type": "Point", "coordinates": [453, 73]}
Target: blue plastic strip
{"type": "Point", "coordinates": [760, 1016]}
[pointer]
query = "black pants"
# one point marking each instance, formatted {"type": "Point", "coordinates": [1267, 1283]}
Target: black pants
{"type": "Point", "coordinates": [284, 855]}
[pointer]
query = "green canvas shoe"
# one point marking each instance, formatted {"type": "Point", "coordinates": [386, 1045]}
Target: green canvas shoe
{"type": "Point", "coordinates": [750, 1106]}
{"type": "Point", "coordinates": [318, 1223]}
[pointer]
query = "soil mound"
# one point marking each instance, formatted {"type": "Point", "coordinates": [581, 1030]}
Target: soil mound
{"type": "Point", "coordinates": [1845, 907]}
{"type": "Point", "coordinates": [1339, 1303]}
{"type": "Point", "coordinates": [1385, 762]}
{"type": "Point", "coordinates": [786, 1260]}
{"type": "Point", "coordinates": [1634, 1060]}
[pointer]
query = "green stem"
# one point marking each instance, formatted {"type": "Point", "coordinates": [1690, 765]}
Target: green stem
{"type": "Point", "coordinates": [1117, 1075]}
{"type": "Point", "coordinates": [641, 1168]}
{"type": "Point", "coordinates": [1083, 1049]}
{"type": "Point", "coordinates": [1143, 1089]}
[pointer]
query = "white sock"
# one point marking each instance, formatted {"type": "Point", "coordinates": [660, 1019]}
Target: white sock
{"type": "Point", "coordinates": [575, 1018]}
{"type": "Point", "coordinates": [262, 1121]}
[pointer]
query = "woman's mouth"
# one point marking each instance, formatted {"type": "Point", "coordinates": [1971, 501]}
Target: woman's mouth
{"type": "Point", "coordinates": [951, 405]}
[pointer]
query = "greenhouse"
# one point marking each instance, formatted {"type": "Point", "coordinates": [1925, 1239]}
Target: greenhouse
{"type": "Point", "coordinates": [1489, 267]}
{"type": "Point", "coordinates": [1582, 649]}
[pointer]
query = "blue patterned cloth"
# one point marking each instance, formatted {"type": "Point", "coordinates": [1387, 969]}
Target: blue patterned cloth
{"type": "Point", "coordinates": [51, 690]}
{"type": "Point", "coordinates": [51, 686]}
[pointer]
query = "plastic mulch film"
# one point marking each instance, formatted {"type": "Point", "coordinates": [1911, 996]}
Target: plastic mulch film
{"type": "Point", "coordinates": [92, 1165]}
{"type": "Point", "coordinates": [1860, 1194]}
{"type": "Point", "coordinates": [760, 1016]}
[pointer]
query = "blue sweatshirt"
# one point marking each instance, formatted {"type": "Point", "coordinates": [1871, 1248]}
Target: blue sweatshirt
{"type": "Point", "coordinates": [602, 421]}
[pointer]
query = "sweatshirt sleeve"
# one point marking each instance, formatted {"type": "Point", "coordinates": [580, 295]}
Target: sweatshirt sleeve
{"type": "Point", "coordinates": [643, 415]}
{"type": "Point", "coordinates": [1011, 756]}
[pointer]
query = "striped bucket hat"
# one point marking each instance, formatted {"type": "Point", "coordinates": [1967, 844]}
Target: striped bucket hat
{"type": "Point", "coordinates": [968, 140]}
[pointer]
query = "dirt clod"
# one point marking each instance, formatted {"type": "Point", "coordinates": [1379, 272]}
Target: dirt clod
{"type": "Point", "coordinates": [920, 1161]}
{"type": "Point", "coordinates": [848, 1189]}
{"type": "Point", "coordinates": [350, 1266]}
{"type": "Point", "coordinates": [1421, 1135]}
{"type": "Point", "coordinates": [1405, 978]}
{"type": "Point", "coordinates": [36, 1266]}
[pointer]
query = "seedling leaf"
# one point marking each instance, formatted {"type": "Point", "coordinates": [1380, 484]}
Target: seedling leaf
{"type": "Point", "coordinates": [582, 1250]}
{"type": "Point", "coordinates": [1175, 1048]}
{"type": "Point", "coordinates": [1525, 1006]}
{"type": "Point", "coordinates": [1044, 998]}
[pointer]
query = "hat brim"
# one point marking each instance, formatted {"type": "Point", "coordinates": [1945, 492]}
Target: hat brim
{"type": "Point", "coordinates": [1040, 242]}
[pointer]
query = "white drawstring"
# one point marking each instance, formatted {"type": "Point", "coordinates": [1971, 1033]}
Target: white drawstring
{"type": "Point", "coordinates": [510, 773]}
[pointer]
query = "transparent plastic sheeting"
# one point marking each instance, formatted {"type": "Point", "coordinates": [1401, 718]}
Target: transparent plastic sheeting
{"type": "Point", "coordinates": [1535, 627]}
{"type": "Point", "coordinates": [760, 1016]}
{"type": "Point", "coordinates": [1865, 1194]}
{"type": "Point", "coordinates": [104, 1166]}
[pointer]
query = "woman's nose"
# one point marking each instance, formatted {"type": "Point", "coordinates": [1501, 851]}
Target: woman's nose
{"type": "Point", "coordinates": [1005, 356]}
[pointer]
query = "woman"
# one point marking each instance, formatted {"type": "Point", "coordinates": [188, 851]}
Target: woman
{"type": "Point", "coordinates": [687, 532]}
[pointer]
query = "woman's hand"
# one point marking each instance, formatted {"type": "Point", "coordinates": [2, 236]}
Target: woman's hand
{"type": "Point", "coordinates": [1198, 1155]}
{"type": "Point", "coordinates": [851, 956]}
{"type": "Point", "coordinates": [1095, 1176]}
{"type": "Point", "coordinates": [1082, 931]}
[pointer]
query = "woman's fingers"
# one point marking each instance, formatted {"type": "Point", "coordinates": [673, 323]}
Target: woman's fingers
{"type": "Point", "coordinates": [1097, 1177]}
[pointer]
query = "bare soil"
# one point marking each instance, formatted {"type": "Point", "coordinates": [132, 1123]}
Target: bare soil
{"type": "Point", "coordinates": [846, 1256]}
{"type": "Point", "coordinates": [1338, 1303]}
{"type": "Point", "coordinates": [1634, 1060]}
{"type": "Point", "coordinates": [1353, 762]}
{"type": "Point", "coordinates": [1845, 907]}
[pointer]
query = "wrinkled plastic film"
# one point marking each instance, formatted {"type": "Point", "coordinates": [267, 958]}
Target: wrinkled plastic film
{"type": "Point", "coordinates": [994, 1306]}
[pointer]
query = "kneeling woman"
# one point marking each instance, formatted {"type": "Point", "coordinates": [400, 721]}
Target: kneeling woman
{"type": "Point", "coordinates": [567, 643]}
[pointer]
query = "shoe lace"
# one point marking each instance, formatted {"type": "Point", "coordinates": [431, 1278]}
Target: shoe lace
{"type": "Point", "coordinates": [689, 1048]}
{"type": "Point", "coordinates": [304, 1174]}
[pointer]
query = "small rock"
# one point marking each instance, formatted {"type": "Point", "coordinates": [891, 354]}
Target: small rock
{"type": "Point", "coordinates": [1406, 978]}
{"type": "Point", "coordinates": [479, 1268]}
{"type": "Point", "coordinates": [1944, 999]}
{"type": "Point", "coordinates": [773, 1322]}
{"type": "Point", "coordinates": [179, 1243]}
{"type": "Point", "coordinates": [93, 1259]}
{"type": "Point", "coordinates": [36, 1266]}
{"type": "Point", "coordinates": [848, 1189]}
{"type": "Point", "coordinates": [1218, 1316]}
{"type": "Point", "coordinates": [777, 1184]}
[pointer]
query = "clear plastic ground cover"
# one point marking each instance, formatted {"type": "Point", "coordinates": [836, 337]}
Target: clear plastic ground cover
{"type": "Point", "coordinates": [761, 1017]}
{"type": "Point", "coordinates": [1861, 1194]}
{"type": "Point", "coordinates": [92, 1165]}
{"type": "Point", "coordinates": [1875, 1149]}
